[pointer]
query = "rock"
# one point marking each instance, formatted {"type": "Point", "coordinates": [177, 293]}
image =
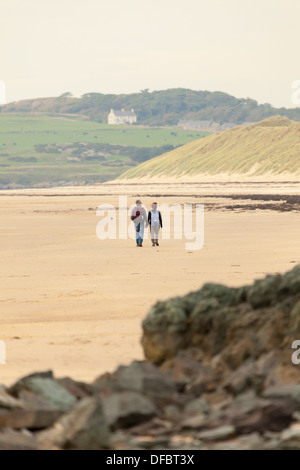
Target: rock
{"type": "Point", "coordinates": [82, 428]}
{"type": "Point", "coordinates": [235, 353]}
{"type": "Point", "coordinates": [190, 373]}
{"type": "Point", "coordinates": [252, 441]}
{"type": "Point", "coordinates": [247, 376]}
{"type": "Point", "coordinates": [184, 366]}
{"type": "Point", "coordinates": [7, 401]}
{"type": "Point", "coordinates": [181, 441]}
{"type": "Point", "coordinates": [288, 391]}
{"type": "Point", "coordinates": [172, 413]}
{"type": "Point", "coordinates": [290, 437]}
{"type": "Point", "coordinates": [169, 316]}
{"type": "Point", "coordinates": [249, 415]}
{"type": "Point", "coordinates": [21, 384]}
{"type": "Point", "coordinates": [125, 409]}
{"type": "Point", "coordinates": [149, 442]}
{"type": "Point", "coordinates": [240, 323]}
{"type": "Point", "coordinates": [197, 421]}
{"type": "Point", "coordinates": [38, 402]}
{"type": "Point", "coordinates": [30, 411]}
{"type": "Point", "coordinates": [145, 379]}
{"type": "Point", "coordinates": [204, 382]}
{"type": "Point", "coordinates": [168, 324]}
{"type": "Point", "coordinates": [34, 401]}
{"type": "Point", "coordinates": [217, 434]}
{"type": "Point", "coordinates": [75, 388]}
{"type": "Point", "coordinates": [218, 397]}
{"type": "Point", "coordinates": [13, 440]}
{"type": "Point", "coordinates": [194, 407]}
{"type": "Point", "coordinates": [264, 292]}
{"type": "Point", "coordinates": [48, 389]}
{"type": "Point", "coordinates": [29, 419]}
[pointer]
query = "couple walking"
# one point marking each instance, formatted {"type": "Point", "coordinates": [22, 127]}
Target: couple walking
{"type": "Point", "coordinates": [141, 220]}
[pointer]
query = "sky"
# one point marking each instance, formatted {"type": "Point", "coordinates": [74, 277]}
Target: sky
{"type": "Point", "coordinates": [244, 48]}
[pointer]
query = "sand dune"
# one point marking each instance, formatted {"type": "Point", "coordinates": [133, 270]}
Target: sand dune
{"type": "Point", "coordinates": [264, 151]}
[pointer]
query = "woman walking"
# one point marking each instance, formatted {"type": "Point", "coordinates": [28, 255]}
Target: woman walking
{"type": "Point", "coordinates": [155, 222]}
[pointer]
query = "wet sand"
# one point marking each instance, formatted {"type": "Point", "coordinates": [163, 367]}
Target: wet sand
{"type": "Point", "coordinates": [74, 304]}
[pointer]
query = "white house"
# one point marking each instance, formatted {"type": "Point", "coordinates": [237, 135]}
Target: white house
{"type": "Point", "coordinates": [117, 116]}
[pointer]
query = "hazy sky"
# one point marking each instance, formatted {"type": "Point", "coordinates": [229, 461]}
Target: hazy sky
{"type": "Point", "coordinates": [245, 48]}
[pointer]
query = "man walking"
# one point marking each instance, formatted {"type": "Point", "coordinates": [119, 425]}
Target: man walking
{"type": "Point", "coordinates": [139, 217]}
{"type": "Point", "coordinates": [155, 222]}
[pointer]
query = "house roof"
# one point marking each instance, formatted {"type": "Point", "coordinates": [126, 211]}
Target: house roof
{"type": "Point", "coordinates": [122, 112]}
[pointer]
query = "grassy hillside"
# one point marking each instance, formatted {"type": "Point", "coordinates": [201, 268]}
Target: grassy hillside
{"type": "Point", "coordinates": [43, 150]}
{"type": "Point", "coordinates": [158, 108]}
{"type": "Point", "coordinates": [270, 147]}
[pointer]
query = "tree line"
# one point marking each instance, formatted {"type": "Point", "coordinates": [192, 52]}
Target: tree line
{"type": "Point", "coordinates": [159, 108]}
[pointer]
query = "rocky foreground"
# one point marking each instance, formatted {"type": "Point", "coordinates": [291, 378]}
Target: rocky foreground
{"type": "Point", "coordinates": [218, 374]}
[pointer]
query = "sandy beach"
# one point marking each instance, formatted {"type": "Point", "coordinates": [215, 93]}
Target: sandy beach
{"type": "Point", "coordinates": [74, 304]}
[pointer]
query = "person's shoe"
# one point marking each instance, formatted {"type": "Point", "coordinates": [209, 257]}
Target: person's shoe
{"type": "Point", "coordinates": [140, 244]}
{"type": "Point", "coordinates": [156, 243]}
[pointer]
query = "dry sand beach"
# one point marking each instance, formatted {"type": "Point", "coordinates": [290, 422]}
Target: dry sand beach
{"type": "Point", "coordinates": [74, 304]}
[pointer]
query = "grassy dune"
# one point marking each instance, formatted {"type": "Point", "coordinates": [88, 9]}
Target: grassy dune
{"type": "Point", "coordinates": [270, 147]}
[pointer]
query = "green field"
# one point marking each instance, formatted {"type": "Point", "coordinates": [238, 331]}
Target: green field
{"type": "Point", "coordinates": [48, 150]}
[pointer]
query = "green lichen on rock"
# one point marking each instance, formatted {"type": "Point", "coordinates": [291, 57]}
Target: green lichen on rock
{"type": "Point", "coordinates": [239, 322]}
